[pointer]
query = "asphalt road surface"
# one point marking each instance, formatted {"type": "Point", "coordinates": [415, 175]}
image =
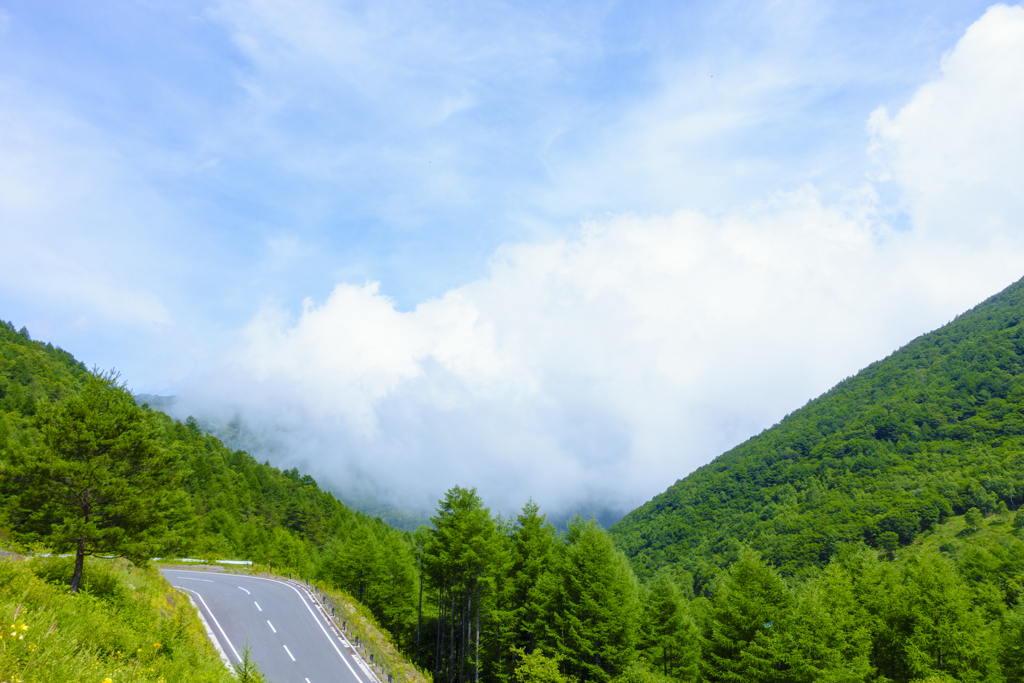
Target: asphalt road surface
{"type": "Point", "coordinates": [289, 638]}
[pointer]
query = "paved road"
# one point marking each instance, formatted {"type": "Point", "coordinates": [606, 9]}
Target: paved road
{"type": "Point", "coordinates": [288, 636]}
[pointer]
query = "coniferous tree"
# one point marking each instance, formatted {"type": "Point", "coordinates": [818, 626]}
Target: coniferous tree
{"type": "Point", "coordinates": [669, 638]}
{"type": "Point", "coordinates": [533, 547]}
{"type": "Point", "coordinates": [595, 608]}
{"type": "Point", "coordinates": [98, 480]}
{"type": "Point", "coordinates": [930, 625]}
{"type": "Point", "coordinates": [458, 561]}
{"type": "Point", "coordinates": [741, 622]}
{"type": "Point", "coordinates": [825, 636]}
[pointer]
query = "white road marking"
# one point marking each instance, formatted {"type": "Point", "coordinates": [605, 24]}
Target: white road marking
{"type": "Point", "coordinates": [307, 680]}
{"type": "Point", "coordinates": [271, 626]}
{"type": "Point", "coordinates": [217, 623]}
{"type": "Point", "coordinates": [242, 589]}
{"type": "Point", "coordinates": [188, 578]}
{"type": "Point", "coordinates": [318, 623]}
{"type": "Point", "coordinates": [257, 605]}
{"type": "Point", "coordinates": [289, 653]}
{"type": "Point", "coordinates": [327, 635]}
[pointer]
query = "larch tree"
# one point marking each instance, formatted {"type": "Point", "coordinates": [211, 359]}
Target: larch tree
{"type": "Point", "coordinates": [742, 622]}
{"type": "Point", "coordinates": [669, 638]}
{"type": "Point", "coordinates": [98, 479]}
{"type": "Point", "coordinates": [458, 561]}
{"type": "Point", "coordinates": [533, 546]}
{"type": "Point", "coordinates": [595, 608]}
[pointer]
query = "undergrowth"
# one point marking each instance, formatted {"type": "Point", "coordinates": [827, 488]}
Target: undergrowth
{"type": "Point", "coordinates": [125, 624]}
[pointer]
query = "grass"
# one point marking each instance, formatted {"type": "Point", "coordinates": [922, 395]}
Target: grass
{"type": "Point", "coordinates": [125, 624]}
{"type": "Point", "coordinates": [955, 536]}
{"type": "Point", "coordinates": [991, 553]}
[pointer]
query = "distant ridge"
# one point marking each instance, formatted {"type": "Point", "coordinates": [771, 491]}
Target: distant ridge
{"type": "Point", "coordinates": [932, 430]}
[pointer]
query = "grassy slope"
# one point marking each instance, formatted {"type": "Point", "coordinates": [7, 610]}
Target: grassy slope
{"type": "Point", "coordinates": [926, 433]}
{"type": "Point", "coordinates": [991, 553]}
{"type": "Point", "coordinates": [127, 624]}
{"type": "Point", "coordinates": [245, 509]}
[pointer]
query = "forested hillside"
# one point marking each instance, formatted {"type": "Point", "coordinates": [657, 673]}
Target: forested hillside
{"type": "Point", "coordinates": [931, 431]}
{"type": "Point", "coordinates": [826, 549]}
{"type": "Point", "coordinates": [242, 509]}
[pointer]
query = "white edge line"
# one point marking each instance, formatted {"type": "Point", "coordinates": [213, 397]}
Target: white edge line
{"type": "Point", "coordinates": [315, 618]}
{"type": "Point", "coordinates": [216, 623]}
{"type": "Point", "coordinates": [209, 633]}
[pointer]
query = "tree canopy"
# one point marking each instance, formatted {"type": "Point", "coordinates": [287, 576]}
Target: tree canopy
{"type": "Point", "coordinates": [933, 430]}
{"type": "Point", "coordinates": [97, 478]}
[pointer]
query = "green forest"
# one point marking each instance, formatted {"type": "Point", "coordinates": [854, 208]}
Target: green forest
{"type": "Point", "coordinates": [931, 431]}
{"type": "Point", "coordinates": [872, 535]}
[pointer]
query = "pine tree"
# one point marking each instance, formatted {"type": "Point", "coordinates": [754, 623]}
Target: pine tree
{"type": "Point", "coordinates": [669, 638]}
{"type": "Point", "coordinates": [533, 544]}
{"type": "Point", "coordinates": [740, 626]}
{"type": "Point", "coordinates": [596, 605]}
{"type": "Point", "coordinates": [98, 480]}
{"type": "Point", "coordinates": [458, 561]}
{"type": "Point", "coordinates": [931, 625]}
{"type": "Point", "coordinates": [825, 635]}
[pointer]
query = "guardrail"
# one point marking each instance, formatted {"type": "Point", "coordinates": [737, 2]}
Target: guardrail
{"type": "Point", "coordinates": [364, 636]}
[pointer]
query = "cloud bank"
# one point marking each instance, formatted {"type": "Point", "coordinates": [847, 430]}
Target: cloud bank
{"type": "Point", "coordinates": [593, 371]}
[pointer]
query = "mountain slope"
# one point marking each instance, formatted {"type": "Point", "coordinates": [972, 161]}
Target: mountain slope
{"type": "Point", "coordinates": [932, 430]}
{"type": "Point", "coordinates": [243, 509]}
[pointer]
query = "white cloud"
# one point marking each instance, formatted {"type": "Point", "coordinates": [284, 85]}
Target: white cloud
{"type": "Point", "coordinates": [956, 148]}
{"type": "Point", "coordinates": [599, 369]}
{"type": "Point", "coordinates": [71, 218]}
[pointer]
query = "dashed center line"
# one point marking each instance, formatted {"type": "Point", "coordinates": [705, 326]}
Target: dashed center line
{"type": "Point", "coordinates": [257, 605]}
{"type": "Point", "coordinates": [271, 626]}
{"type": "Point", "coordinates": [289, 652]}
{"type": "Point", "coordinates": [242, 589]}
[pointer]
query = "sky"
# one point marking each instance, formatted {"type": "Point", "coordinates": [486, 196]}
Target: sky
{"type": "Point", "coordinates": [562, 250]}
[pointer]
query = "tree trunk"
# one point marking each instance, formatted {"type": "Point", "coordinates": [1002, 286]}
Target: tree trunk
{"type": "Point", "coordinates": [440, 632]}
{"type": "Point", "coordinates": [419, 617]}
{"type": "Point", "coordinates": [451, 644]}
{"type": "Point", "coordinates": [467, 618]}
{"type": "Point", "coordinates": [478, 632]}
{"type": "Point", "coordinates": [79, 563]}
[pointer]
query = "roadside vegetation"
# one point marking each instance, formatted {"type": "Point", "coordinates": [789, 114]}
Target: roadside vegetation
{"type": "Point", "coordinates": [125, 624]}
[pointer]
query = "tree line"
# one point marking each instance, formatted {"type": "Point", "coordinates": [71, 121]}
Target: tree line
{"type": "Point", "coordinates": [496, 599]}
{"type": "Point", "coordinates": [477, 597]}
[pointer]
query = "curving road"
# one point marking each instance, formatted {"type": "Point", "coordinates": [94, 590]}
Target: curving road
{"type": "Point", "coordinates": [288, 636]}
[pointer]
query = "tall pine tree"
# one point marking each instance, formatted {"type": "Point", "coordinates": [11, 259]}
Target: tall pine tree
{"type": "Point", "coordinates": [98, 480]}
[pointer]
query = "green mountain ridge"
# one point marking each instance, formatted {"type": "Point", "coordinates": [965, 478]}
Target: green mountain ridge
{"type": "Point", "coordinates": [887, 458]}
{"type": "Point", "coordinates": [242, 509]}
{"type": "Point", "coordinates": [934, 429]}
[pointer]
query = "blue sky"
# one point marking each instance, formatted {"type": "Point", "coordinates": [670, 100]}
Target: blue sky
{"type": "Point", "coordinates": [511, 245]}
